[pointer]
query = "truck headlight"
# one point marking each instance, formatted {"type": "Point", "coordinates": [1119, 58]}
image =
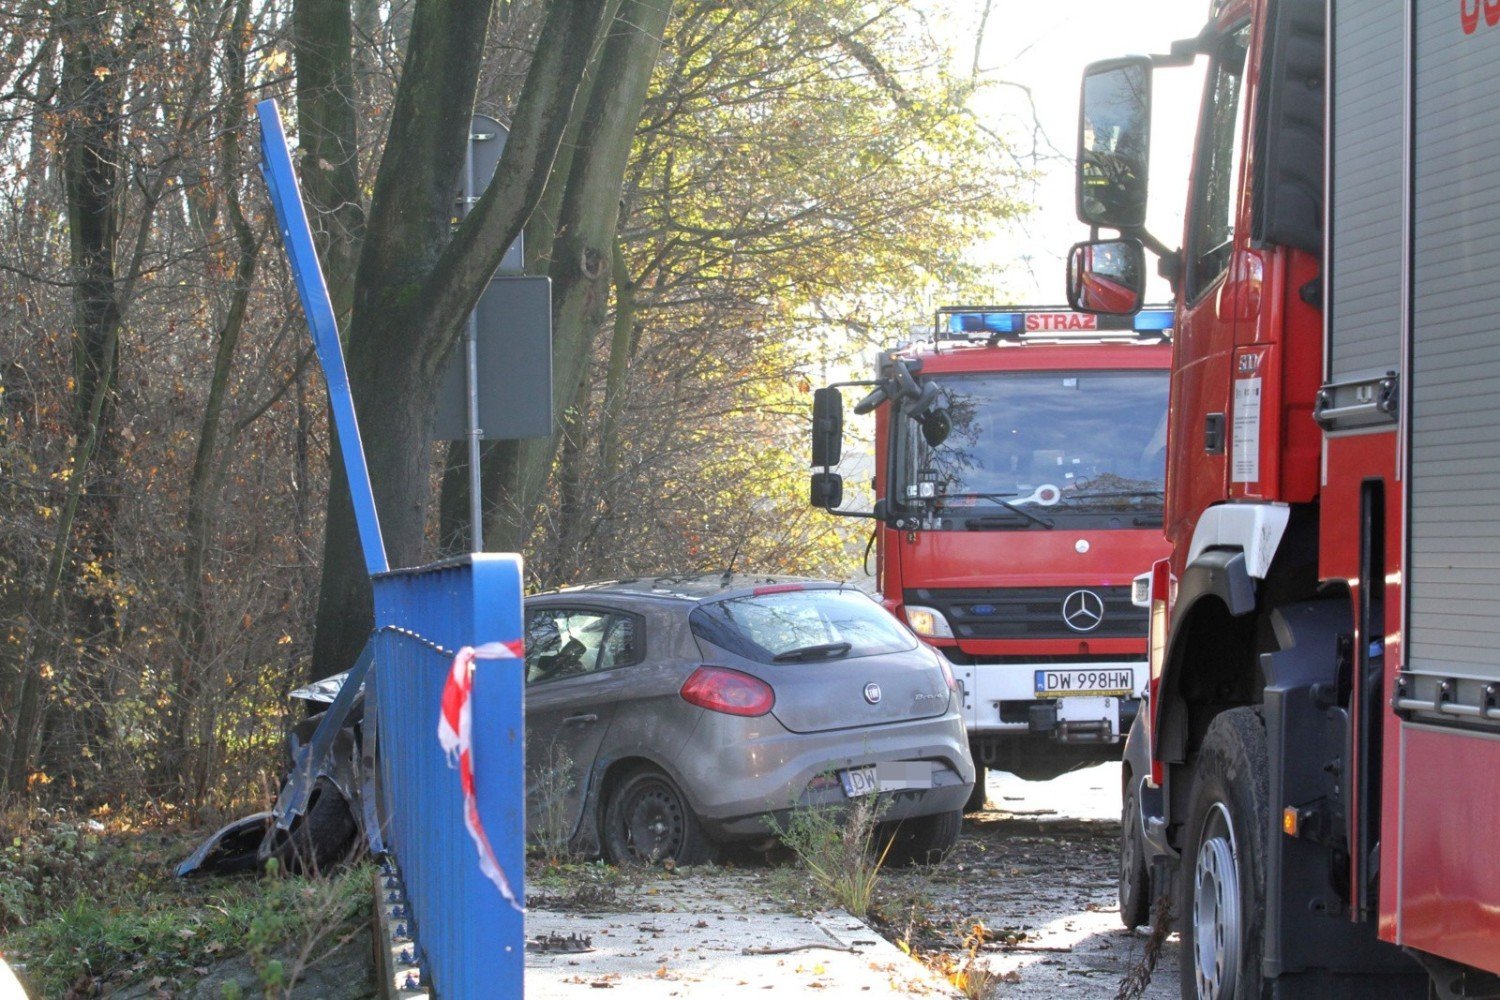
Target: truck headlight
{"type": "Point", "coordinates": [929, 623]}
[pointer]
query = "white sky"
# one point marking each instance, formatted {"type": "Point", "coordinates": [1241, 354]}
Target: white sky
{"type": "Point", "coordinates": [1044, 45]}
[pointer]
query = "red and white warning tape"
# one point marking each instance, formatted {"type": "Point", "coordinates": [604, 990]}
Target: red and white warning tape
{"type": "Point", "coordinates": [454, 733]}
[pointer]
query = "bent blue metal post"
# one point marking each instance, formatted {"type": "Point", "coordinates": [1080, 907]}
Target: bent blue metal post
{"type": "Point", "coordinates": [472, 942]}
{"type": "Point", "coordinates": [296, 235]}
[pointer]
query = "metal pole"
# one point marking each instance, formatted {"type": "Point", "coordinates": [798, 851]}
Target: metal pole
{"type": "Point", "coordinates": [296, 238]}
{"type": "Point", "coordinates": [471, 373]}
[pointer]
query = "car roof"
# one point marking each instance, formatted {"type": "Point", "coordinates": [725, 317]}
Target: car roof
{"type": "Point", "coordinates": [695, 587]}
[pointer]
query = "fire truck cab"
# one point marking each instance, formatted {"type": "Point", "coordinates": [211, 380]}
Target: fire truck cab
{"type": "Point", "coordinates": [1018, 462]}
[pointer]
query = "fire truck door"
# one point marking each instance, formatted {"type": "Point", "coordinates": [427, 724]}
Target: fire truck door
{"type": "Point", "coordinates": [1200, 410]}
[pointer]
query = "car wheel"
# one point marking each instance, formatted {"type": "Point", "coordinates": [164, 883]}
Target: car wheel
{"type": "Point", "coordinates": [922, 840]}
{"type": "Point", "coordinates": [1135, 880]}
{"type": "Point", "coordinates": [321, 837]}
{"type": "Point", "coordinates": [648, 820]}
{"type": "Point", "coordinates": [977, 798]}
{"type": "Point", "coordinates": [1222, 909]}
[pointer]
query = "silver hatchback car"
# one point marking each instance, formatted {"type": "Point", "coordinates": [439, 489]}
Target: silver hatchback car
{"type": "Point", "coordinates": [667, 716]}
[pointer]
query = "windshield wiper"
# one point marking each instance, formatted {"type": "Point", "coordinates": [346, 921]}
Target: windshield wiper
{"type": "Point", "coordinates": [998, 498]}
{"type": "Point", "coordinates": [1089, 494]}
{"type": "Point", "coordinates": [826, 650]}
{"type": "Point", "coordinates": [984, 522]}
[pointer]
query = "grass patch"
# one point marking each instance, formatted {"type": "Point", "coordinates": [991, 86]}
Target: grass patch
{"type": "Point", "coordinates": [107, 912]}
{"type": "Point", "coordinates": [587, 886]}
{"type": "Point", "coordinates": [548, 786]}
{"type": "Point", "coordinates": [836, 847]}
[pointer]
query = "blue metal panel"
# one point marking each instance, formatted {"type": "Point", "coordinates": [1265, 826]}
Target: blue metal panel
{"type": "Point", "coordinates": [471, 938]}
{"type": "Point", "coordinates": [296, 237]}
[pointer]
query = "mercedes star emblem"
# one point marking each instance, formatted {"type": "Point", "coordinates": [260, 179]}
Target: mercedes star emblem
{"type": "Point", "coordinates": [1083, 610]}
{"type": "Point", "coordinates": [872, 693]}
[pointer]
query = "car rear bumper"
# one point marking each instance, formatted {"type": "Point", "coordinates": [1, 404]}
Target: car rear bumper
{"type": "Point", "coordinates": [744, 776]}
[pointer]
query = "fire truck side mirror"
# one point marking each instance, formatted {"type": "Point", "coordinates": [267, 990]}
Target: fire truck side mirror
{"type": "Point", "coordinates": [1114, 143]}
{"type": "Point", "coordinates": [827, 427]}
{"type": "Point", "coordinates": [936, 426]}
{"type": "Point", "coordinates": [827, 490]}
{"type": "Point", "coordinates": [1107, 276]}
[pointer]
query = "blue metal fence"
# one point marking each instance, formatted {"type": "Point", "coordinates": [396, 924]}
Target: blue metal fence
{"type": "Point", "coordinates": [471, 938]}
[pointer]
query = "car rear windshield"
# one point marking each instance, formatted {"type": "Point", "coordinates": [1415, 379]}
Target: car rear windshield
{"type": "Point", "coordinates": [800, 625]}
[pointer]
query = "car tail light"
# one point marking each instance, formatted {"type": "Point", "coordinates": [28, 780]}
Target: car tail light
{"type": "Point", "coordinates": [777, 588]}
{"type": "Point", "coordinates": [948, 677]}
{"type": "Point", "coordinates": [720, 689]}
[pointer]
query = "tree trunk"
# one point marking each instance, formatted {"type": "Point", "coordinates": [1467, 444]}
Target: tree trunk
{"type": "Point", "coordinates": [573, 492]}
{"type": "Point", "coordinates": [414, 286]}
{"type": "Point", "coordinates": [503, 531]}
{"type": "Point", "coordinates": [91, 94]}
{"type": "Point", "coordinates": [328, 141]}
{"type": "Point", "coordinates": [203, 487]}
{"type": "Point", "coordinates": [621, 349]}
{"type": "Point", "coordinates": [586, 226]}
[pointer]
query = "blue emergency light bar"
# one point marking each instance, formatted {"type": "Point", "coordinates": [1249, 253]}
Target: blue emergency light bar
{"type": "Point", "coordinates": [1014, 323]}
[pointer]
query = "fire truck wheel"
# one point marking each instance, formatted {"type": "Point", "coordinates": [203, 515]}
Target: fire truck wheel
{"type": "Point", "coordinates": [922, 840]}
{"type": "Point", "coordinates": [1135, 880]}
{"type": "Point", "coordinates": [1221, 912]}
{"type": "Point", "coordinates": [977, 798]}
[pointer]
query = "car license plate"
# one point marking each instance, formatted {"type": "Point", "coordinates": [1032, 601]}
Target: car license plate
{"type": "Point", "coordinates": [1083, 681]}
{"type": "Point", "coordinates": [858, 781]}
{"type": "Point", "coordinates": [894, 776]}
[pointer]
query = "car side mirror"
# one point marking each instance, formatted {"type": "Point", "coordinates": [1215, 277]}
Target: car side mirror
{"type": "Point", "coordinates": [1107, 276]}
{"type": "Point", "coordinates": [827, 427]}
{"type": "Point", "coordinates": [1114, 143]}
{"type": "Point", "coordinates": [827, 490]}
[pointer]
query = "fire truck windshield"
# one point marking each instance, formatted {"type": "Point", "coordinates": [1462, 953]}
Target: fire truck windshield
{"type": "Point", "coordinates": [1034, 447]}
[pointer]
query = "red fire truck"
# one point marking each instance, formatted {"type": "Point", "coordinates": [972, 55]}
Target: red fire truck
{"type": "Point", "coordinates": [1314, 783]}
{"type": "Point", "coordinates": [1018, 462]}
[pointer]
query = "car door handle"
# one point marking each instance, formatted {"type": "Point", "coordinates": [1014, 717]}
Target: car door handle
{"type": "Point", "coordinates": [582, 720]}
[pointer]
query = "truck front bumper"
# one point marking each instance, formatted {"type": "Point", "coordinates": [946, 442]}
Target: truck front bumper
{"type": "Point", "coordinates": [1003, 698]}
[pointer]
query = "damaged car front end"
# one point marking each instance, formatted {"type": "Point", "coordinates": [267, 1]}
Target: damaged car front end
{"type": "Point", "coordinates": [328, 803]}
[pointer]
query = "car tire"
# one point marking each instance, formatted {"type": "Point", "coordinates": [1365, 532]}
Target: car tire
{"type": "Point", "coordinates": [1222, 905]}
{"type": "Point", "coordinates": [320, 838]}
{"type": "Point", "coordinates": [922, 840]}
{"type": "Point", "coordinates": [648, 820]}
{"type": "Point", "coordinates": [1135, 878]}
{"type": "Point", "coordinates": [978, 797]}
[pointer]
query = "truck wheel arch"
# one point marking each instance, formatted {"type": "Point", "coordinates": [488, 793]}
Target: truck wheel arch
{"type": "Point", "coordinates": [1213, 622]}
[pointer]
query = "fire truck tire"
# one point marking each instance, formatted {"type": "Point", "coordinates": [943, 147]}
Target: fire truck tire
{"type": "Point", "coordinates": [978, 797]}
{"type": "Point", "coordinates": [923, 840]}
{"type": "Point", "coordinates": [1135, 879]}
{"type": "Point", "coordinates": [1221, 912]}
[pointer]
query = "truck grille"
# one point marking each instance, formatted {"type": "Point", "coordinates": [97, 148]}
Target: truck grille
{"type": "Point", "coordinates": [1037, 612]}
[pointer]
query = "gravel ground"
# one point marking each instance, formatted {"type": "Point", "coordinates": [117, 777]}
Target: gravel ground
{"type": "Point", "coordinates": [1038, 869]}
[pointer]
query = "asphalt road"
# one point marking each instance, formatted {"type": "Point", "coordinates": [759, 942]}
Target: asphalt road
{"type": "Point", "coordinates": [1038, 869]}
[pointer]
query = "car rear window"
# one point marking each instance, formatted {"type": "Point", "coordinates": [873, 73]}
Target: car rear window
{"type": "Point", "coordinates": [811, 625]}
